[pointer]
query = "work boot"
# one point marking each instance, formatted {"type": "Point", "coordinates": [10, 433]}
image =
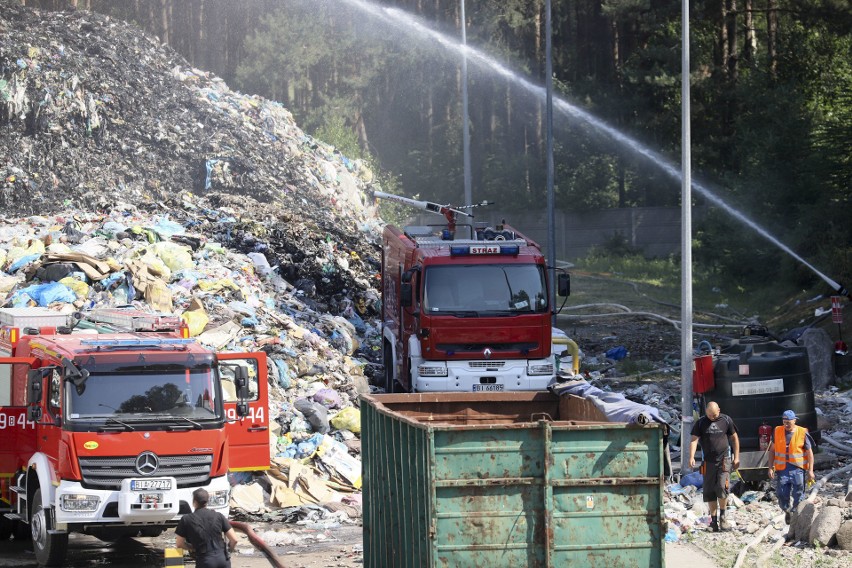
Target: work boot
{"type": "Point", "coordinates": [724, 524]}
{"type": "Point", "coordinates": [714, 524]}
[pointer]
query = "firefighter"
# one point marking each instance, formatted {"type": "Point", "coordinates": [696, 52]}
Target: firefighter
{"type": "Point", "coordinates": [794, 455]}
{"type": "Point", "coordinates": [202, 533]}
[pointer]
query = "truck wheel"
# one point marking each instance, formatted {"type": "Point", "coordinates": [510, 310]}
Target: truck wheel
{"type": "Point", "coordinates": [49, 548]}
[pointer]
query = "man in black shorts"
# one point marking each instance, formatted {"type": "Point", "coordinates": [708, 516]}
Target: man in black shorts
{"type": "Point", "coordinates": [202, 533]}
{"type": "Point", "coordinates": [716, 432]}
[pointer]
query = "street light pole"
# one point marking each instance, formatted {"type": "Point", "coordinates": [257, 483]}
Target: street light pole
{"type": "Point", "coordinates": [551, 214]}
{"type": "Point", "coordinates": [686, 354]}
{"type": "Point", "coordinates": [468, 191]}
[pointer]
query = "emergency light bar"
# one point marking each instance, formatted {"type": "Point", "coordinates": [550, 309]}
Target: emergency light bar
{"type": "Point", "coordinates": [153, 342]}
{"type": "Point", "coordinates": [475, 250]}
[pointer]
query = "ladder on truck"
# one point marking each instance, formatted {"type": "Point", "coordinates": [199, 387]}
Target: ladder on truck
{"type": "Point", "coordinates": [131, 319]}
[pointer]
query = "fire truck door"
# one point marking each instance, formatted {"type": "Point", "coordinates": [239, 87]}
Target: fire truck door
{"type": "Point", "coordinates": [248, 435]}
{"type": "Point", "coordinates": [17, 434]}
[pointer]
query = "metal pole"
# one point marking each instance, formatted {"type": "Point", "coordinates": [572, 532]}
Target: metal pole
{"type": "Point", "coordinates": [551, 213]}
{"type": "Point", "coordinates": [468, 191]}
{"type": "Point", "coordinates": [686, 353]}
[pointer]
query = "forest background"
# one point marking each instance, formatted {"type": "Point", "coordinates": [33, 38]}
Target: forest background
{"type": "Point", "coordinates": [771, 84]}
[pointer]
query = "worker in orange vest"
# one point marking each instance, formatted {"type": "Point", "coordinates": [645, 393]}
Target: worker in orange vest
{"type": "Point", "coordinates": [794, 455]}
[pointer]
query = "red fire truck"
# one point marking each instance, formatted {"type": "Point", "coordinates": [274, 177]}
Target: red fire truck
{"type": "Point", "coordinates": [109, 423]}
{"type": "Point", "coordinates": [465, 308]}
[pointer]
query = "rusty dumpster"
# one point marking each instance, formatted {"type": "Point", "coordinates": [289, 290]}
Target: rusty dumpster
{"type": "Point", "coordinates": [508, 479]}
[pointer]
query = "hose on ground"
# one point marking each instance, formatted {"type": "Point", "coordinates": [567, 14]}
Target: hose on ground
{"type": "Point", "coordinates": [811, 496]}
{"type": "Point", "coordinates": [837, 445]}
{"type": "Point", "coordinates": [258, 543]}
{"type": "Point", "coordinates": [647, 315]}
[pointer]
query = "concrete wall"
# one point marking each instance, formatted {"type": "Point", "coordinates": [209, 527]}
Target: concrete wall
{"type": "Point", "coordinates": [654, 230]}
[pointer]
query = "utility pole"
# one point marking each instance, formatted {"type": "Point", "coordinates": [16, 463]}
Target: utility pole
{"type": "Point", "coordinates": [686, 353]}
{"type": "Point", "coordinates": [551, 213]}
{"type": "Point", "coordinates": [468, 191]}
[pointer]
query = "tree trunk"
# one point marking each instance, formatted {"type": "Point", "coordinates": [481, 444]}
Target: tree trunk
{"type": "Point", "coordinates": [164, 21]}
{"type": "Point", "coordinates": [750, 48]}
{"type": "Point", "coordinates": [733, 50]}
{"type": "Point", "coordinates": [724, 46]}
{"type": "Point", "coordinates": [772, 35]}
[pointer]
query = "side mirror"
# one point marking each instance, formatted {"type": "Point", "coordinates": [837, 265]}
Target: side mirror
{"type": "Point", "coordinates": [563, 284]}
{"type": "Point", "coordinates": [35, 381]}
{"type": "Point", "coordinates": [34, 413]}
{"type": "Point", "coordinates": [241, 382]}
{"type": "Point", "coordinates": [406, 294]}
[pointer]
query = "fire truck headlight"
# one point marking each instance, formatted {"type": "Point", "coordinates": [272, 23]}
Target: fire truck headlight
{"type": "Point", "coordinates": [80, 503]}
{"type": "Point", "coordinates": [540, 369]}
{"type": "Point", "coordinates": [219, 498]}
{"type": "Point", "coordinates": [432, 370]}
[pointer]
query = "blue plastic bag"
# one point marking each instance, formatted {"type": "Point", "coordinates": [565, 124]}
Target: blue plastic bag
{"type": "Point", "coordinates": [44, 294]}
{"type": "Point", "coordinates": [695, 479]}
{"type": "Point", "coordinates": [617, 353]}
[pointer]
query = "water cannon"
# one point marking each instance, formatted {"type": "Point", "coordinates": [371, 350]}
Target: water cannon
{"type": "Point", "coordinates": [450, 212]}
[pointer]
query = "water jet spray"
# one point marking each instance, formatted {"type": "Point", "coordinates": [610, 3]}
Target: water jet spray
{"type": "Point", "coordinates": [396, 17]}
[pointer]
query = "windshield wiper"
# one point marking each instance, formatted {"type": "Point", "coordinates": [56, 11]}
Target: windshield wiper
{"type": "Point", "coordinates": [111, 420]}
{"type": "Point", "coordinates": [462, 313]}
{"type": "Point", "coordinates": [195, 425]}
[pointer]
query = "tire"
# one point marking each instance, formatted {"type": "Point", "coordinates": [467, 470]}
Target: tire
{"type": "Point", "coordinates": [50, 549]}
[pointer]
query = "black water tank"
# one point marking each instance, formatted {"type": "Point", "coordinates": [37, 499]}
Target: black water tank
{"type": "Point", "coordinates": [757, 380]}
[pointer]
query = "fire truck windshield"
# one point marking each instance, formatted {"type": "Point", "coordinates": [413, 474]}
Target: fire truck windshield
{"type": "Point", "coordinates": [145, 390]}
{"type": "Point", "coordinates": [485, 289]}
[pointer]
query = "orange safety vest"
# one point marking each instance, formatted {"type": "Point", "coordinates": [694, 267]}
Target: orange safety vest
{"type": "Point", "coordinates": [796, 454]}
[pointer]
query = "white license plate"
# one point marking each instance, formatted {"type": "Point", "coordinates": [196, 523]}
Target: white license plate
{"type": "Point", "coordinates": [150, 484]}
{"type": "Point", "coordinates": [491, 387]}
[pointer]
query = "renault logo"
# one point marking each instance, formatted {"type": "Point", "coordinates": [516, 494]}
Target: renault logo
{"type": "Point", "coordinates": [147, 463]}
{"type": "Point", "coordinates": [487, 353]}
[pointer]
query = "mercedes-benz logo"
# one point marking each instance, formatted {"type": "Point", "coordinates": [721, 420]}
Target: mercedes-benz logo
{"type": "Point", "coordinates": [147, 463]}
{"type": "Point", "coordinates": [487, 353]}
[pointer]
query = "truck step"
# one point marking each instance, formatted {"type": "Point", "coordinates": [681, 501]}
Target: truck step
{"type": "Point", "coordinates": [21, 492]}
{"type": "Point", "coordinates": [13, 517]}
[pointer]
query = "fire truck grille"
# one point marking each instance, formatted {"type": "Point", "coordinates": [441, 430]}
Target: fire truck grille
{"type": "Point", "coordinates": [479, 348]}
{"type": "Point", "coordinates": [486, 364]}
{"type": "Point", "coordinates": [108, 472]}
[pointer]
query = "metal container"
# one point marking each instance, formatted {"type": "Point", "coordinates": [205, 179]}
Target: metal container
{"type": "Point", "coordinates": [508, 479]}
{"type": "Point", "coordinates": [756, 380]}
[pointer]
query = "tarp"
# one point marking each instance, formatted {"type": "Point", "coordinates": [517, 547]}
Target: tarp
{"type": "Point", "coordinates": [614, 405]}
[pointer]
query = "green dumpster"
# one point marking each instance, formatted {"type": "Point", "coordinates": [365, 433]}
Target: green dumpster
{"type": "Point", "coordinates": [508, 479]}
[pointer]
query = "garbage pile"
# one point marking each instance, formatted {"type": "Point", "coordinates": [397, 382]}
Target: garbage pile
{"type": "Point", "coordinates": [127, 177]}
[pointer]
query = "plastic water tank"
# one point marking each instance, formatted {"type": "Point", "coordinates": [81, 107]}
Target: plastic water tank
{"type": "Point", "coordinates": [756, 380]}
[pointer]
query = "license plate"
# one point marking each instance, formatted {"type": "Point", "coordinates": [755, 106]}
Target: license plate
{"type": "Point", "coordinates": [490, 387]}
{"type": "Point", "coordinates": [150, 484]}
{"type": "Point", "coordinates": [149, 498]}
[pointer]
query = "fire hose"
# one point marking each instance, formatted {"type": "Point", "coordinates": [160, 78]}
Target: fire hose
{"type": "Point", "coordinates": [258, 543]}
{"type": "Point", "coordinates": [837, 445]}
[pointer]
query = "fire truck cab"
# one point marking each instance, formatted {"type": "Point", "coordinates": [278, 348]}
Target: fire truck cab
{"type": "Point", "coordinates": [466, 314]}
{"type": "Point", "coordinates": [107, 424]}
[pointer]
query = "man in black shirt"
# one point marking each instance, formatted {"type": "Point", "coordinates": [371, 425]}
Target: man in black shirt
{"type": "Point", "coordinates": [202, 532]}
{"type": "Point", "coordinates": [716, 432]}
